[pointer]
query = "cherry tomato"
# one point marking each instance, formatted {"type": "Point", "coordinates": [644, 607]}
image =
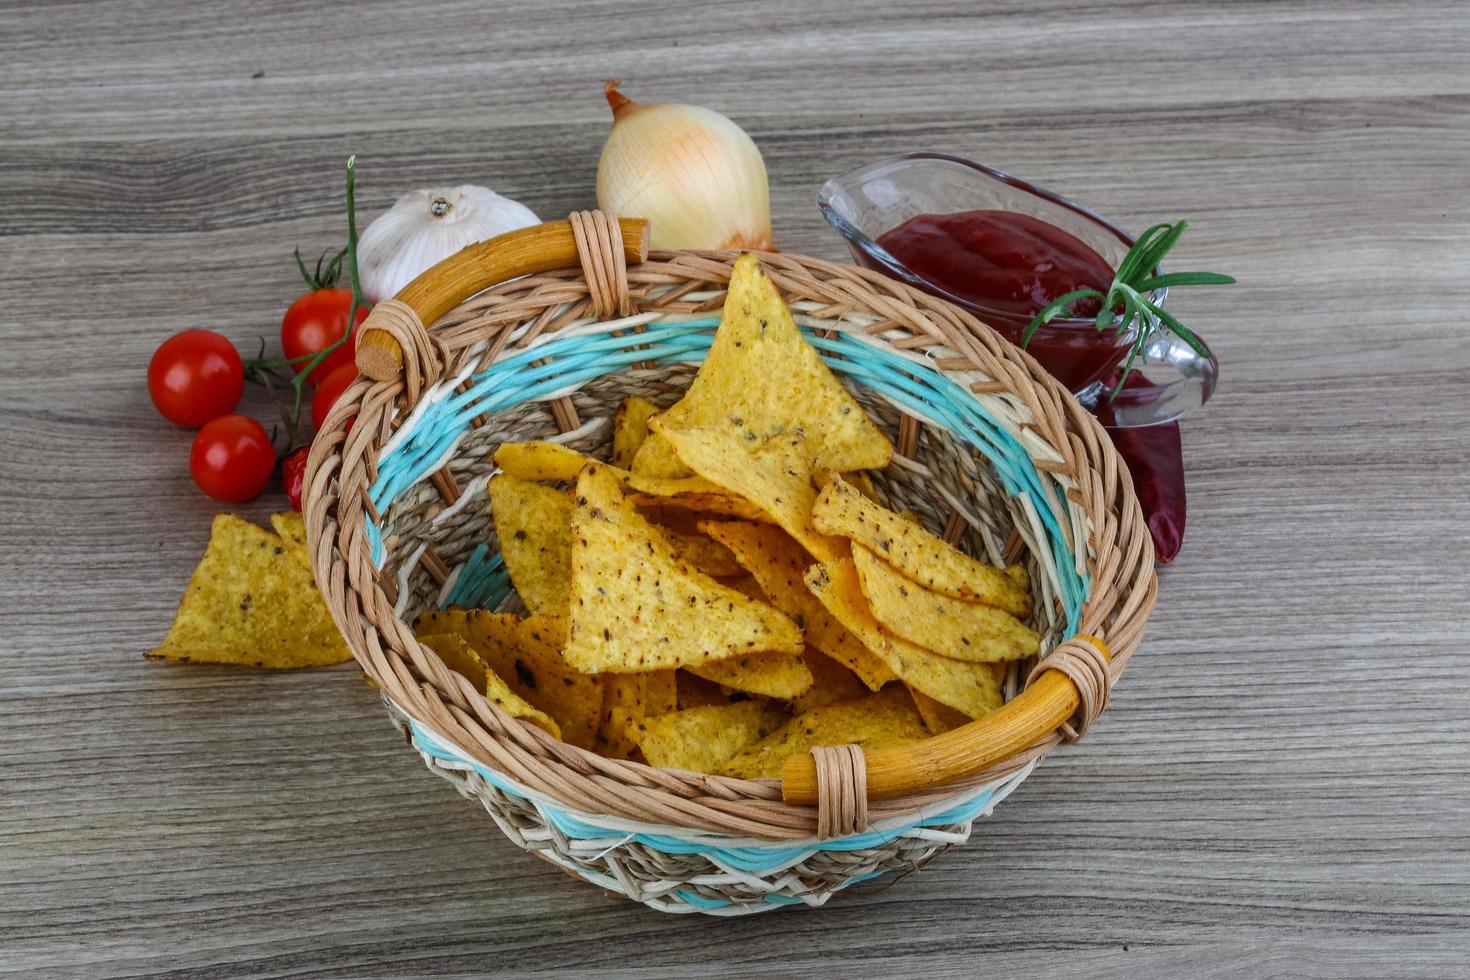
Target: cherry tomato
{"type": "Point", "coordinates": [232, 458]}
{"type": "Point", "coordinates": [195, 376]}
{"type": "Point", "coordinates": [293, 475]}
{"type": "Point", "coordinates": [313, 323]}
{"type": "Point", "coordinates": [329, 390]}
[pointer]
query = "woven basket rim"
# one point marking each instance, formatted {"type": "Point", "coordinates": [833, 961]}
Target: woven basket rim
{"type": "Point", "coordinates": [1120, 558]}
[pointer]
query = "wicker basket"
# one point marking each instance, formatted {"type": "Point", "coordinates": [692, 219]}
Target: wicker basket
{"type": "Point", "coordinates": [540, 334]}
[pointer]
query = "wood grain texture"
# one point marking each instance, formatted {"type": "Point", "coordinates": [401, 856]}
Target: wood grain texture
{"type": "Point", "coordinates": [1282, 782]}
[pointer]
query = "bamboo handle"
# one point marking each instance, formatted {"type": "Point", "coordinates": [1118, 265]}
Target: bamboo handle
{"type": "Point", "coordinates": [1037, 712]}
{"type": "Point", "coordinates": [539, 248]}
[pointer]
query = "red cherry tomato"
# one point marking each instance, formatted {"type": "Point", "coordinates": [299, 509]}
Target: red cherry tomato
{"type": "Point", "coordinates": [293, 475]}
{"type": "Point", "coordinates": [195, 376]}
{"type": "Point", "coordinates": [232, 458]}
{"type": "Point", "coordinates": [329, 391]}
{"type": "Point", "coordinates": [313, 323]}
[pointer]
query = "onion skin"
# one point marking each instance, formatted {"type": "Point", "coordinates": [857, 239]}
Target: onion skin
{"type": "Point", "coordinates": [696, 176]}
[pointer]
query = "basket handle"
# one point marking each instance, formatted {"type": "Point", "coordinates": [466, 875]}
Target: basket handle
{"type": "Point", "coordinates": [526, 251]}
{"type": "Point", "coordinates": [1074, 676]}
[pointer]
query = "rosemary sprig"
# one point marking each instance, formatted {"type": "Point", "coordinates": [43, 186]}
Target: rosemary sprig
{"type": "Point", "coordinates": [1136, 277]}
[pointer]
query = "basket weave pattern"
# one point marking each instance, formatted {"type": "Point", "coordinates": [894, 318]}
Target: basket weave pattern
{"type": "Point", "coordinates": [397, 529]}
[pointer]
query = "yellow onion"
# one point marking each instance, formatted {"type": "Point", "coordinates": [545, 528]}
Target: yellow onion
{"type": "Point", "coordinates": [695, 175]}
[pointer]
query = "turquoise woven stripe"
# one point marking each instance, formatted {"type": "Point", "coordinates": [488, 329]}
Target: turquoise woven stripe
{"type": "Point", "coordinates": [576, 359]}
{"type": "Point", "coordinates": [753, 860]}
{"type": "Point", "coordinates": [482, 583]}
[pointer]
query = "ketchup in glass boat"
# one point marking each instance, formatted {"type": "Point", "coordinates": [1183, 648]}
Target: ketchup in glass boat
{"type": "Point", "coordinates": [1012, 265]}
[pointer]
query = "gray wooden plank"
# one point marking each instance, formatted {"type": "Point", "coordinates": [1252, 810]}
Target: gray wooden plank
{"type": "Point", "coordinates": [1279, 788]}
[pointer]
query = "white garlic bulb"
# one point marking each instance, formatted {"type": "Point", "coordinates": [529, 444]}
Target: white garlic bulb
{"type": "Point", "coordinates": [423, 228]}
{"type": "Point", "coordinates": [696, 176]}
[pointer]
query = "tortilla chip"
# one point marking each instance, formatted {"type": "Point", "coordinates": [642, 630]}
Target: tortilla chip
{"type": "Point", "coordinates": [460, 657]}
{"type": "Point", "coordinates": [252, 601]}
{"type": "Point", "coordinates": [716, 503]}
{"type": "Point", "coordinates": [938, 717]}
{"type": "Point", "coordinates": [696, 692]}
{"type": "Point", "coordinates": [772, 675]}
{"type": "Point", "coordinates": [292, 529]}
{"type": "Point", "coordinates": [624, 704]}
{"type": "Point", "coordinates": [538, 460]}
{"type": "Point", "coordinates": [778, 564]}
{"type": "Point", "coordinates": [526, 654]}
{"type": "Point", "coordinates": [636, 606]}
{"type": "Point", "coordinates": [964, 686]}
{"type": "Point", "coordinates": [775, 478]}
{"type": "Point", "coordinates": [662, 693]}
{"type": "Point", "coordinates": [614, 734]}
{"type": "Point", "coordinates": [541, 460]}
{"type": "Point", "coordinates": [705, 554]}
{"type": "Point", "coordinates": [877, 721]}
{"type": "Point", "coordinates": [657, 458]}
{"type": "Point", "coordinates": [948, 626]}
{"type": "Point", "coordinates": [831, 682]}
{"type": "Point", "coordinates": [630, 429]}
{"type": "Point", "coordinates": [923, 557]}
{"type": "Point", "coordinates": [762, 380]}
{"type": "Point", "coordinates": [860, 481]}
{"type": "Point", "coordinates": [703, 739]}
{"type": "Point", "coordinates": [534, 524]}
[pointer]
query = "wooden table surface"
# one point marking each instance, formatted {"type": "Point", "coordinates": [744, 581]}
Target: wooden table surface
{"type": "Point", "coordinates": [1281, 785]}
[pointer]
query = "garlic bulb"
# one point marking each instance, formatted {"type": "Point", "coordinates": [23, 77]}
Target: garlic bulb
{"type": "Point", "coordinates": [695, 175]}
{"type": "Point", "coordinates": [423, 228]}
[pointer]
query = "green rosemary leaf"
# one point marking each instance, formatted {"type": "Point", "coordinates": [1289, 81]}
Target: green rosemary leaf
{"type": "Point", "coordinates": [1049, 312]}
{"type": "Point", "coordinates": [1150, 256]}
{"type": "Point", "coordinates": [1130, 267]}
{"type": "Point", "coordinates": [1183, 332]}
{"type": "Point", "coordinates": [1184, 279]}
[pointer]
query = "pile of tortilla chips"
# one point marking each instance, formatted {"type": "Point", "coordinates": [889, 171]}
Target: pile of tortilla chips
{"type": "Point", "coordinates": [724, 593]}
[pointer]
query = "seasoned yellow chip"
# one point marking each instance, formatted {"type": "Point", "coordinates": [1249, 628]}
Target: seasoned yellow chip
{"type": "Point", "coordinates": [624, 705]}
{"type": "Point", "coordinates": [460, 657]}
{"type": "Point", "coordinates": [710, 557]}
{"type": "Point", "coordinates": [526, 654]}
{"type": "Point", "coordinates": [762, 380]}
{"type": "Point", "coordinates": [292, 529]}
{"type": "Point", "coordinates": [542, 460]}
{"type": "Point", "coordinates": [938, 717]}
{"type": "Point", "coordinates": [534, 524]}
{"type": "Point", "coordinates": [702, 739]}
{"type": "Point", "coordinates": [775, 478]}
{"type": "Point", "coordinates": [539, 460]}
{"type": "Point", "coordinates": [830, 681]}
{"type": "Point", "coordinates": [455, 650]}
{"type": "Point", "coordinates": [637, 607]}
{"type": "Point", "coordinates": [944, 624]}
{"type": "Point", "coordinates": [963, 685]}
{"type": "Point", "coordinates": [772, 675]}
{"type": "Point", "coordinates": [252, 601]}
{"type": "Point", "coordinates": [696, 692]}
{"type": "Point", "coordinates": [778, 564]}
{"type": "Point", "coordinates": [662, 693]}
{"type": "Point", "coordinates": [923, 557]}
{"type": "Point", "coordinates": [876, 721]}
{"type": "Point", "coordinates": [859, 480]}
{"type": "Point", "coordinates": [614, 735]}
{"type": "Point", "coordinates": [717, 503]}
{"type": "Point", "coordinates": [630, 428]}
{"type": "Point", "coordinates": [657, 458]}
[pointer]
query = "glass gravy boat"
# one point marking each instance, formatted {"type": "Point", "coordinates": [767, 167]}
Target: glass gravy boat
{"type": "Point", "coordinates": [1169, 377]}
